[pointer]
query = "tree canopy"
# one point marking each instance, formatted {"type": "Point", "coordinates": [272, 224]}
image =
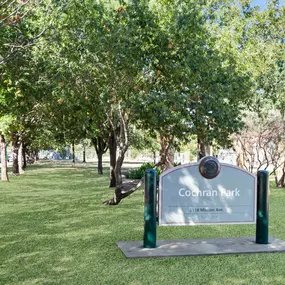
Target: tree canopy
{"type": "Point", "coordinates": [170, 69]}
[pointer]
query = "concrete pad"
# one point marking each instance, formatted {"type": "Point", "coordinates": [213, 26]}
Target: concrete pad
{"type": "Point", "coordinates": [197, 247]}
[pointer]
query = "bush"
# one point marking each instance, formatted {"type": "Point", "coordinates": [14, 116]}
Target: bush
{"type": "Point", "coordinates": [138, 173]}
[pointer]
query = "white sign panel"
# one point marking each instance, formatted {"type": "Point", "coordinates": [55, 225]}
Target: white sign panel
{"type": "Point", "coordinates": [188, 198]}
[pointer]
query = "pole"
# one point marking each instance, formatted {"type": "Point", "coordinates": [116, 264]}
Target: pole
{"type": "Point", "coordinates": [262, 207]}
{"type": "Point", "coordinates": [149, 239]}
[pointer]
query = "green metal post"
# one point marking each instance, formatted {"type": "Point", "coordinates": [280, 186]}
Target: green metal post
{"type": "Point", "coordinates": [262, 207]}
{"type": "Point", "coordinates": [149, 239]}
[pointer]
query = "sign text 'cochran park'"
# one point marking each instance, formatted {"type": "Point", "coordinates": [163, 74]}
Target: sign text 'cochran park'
{"type": "Point", "coordinates": [186, 197]}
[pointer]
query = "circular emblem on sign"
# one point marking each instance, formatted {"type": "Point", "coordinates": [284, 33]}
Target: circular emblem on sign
{"type": "Point", "coordinates": [209, 167]}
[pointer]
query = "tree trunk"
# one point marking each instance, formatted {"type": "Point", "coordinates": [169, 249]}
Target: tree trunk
{"type": "Point", "coordinates": [275, 178]}
{"type": "Point", "coordinates": [201, 148]}
{"type": "Point", "coordinates": [208, 150]}
{"type": "Point", "coordinates": [119, 193]}
{"type": "Point", "coordinates": [121, 138]}
{"type": "Point", "coordinates": [20, 158]}
{"type": "Point", "coordinates": [15, 152]}
{"type": "Point", "coordinates": [24, 156]}
{"type": "Point", "coordinates": [113, 157]}
{"type": "Point", "coordinates": [281, 181]}
{"type": "Point", "coordinates": [73, 153]}
{"type": "Point", "coordinates": [118, 167]}
{"type": "Point", "coordinates": [4, 169]}
{"type": "Point", "coordinates": [239, 160]}
{"type": "Point", "coordinates": [101, 147]}
{"type": "Point", "coordinates": [84, 155]}
{"type": "Point", "coordinates": [166, 154]}
{"type": "Point", "coordinates": [100, 163]}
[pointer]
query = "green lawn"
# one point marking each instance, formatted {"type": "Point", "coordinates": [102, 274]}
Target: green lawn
{"type": "Point", "coordinates": [54, 229]}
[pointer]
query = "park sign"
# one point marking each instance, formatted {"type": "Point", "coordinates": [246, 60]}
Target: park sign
{"type": "Point", "coordinates": [207, 192]}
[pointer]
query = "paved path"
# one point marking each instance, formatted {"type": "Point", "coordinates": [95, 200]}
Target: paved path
{"type": "Point", "coordinates": [196, 247]}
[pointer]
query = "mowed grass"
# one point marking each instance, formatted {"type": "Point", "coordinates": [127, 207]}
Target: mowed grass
{"type": "Point", "coordinates": [54, 229]}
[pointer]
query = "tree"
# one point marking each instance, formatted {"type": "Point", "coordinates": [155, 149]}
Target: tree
{"type": "Point", "coordinates": [5, 121]}
{"type": "Point", "coordinates": [256, 39]}
{"type": "Point", "coordinates": [3, 150]}
{"type": "Point", "coordinates": [23, 23]}
{"type": "Point", "coordinates": [72, 59]}
{"type": "Point", "coordinates": [201, 89]}
{"type": "Point", "coordinates": [18, 99]}
{"type": "Point", "coordinates": [261, 144]}
{"type": "Point", "coordinates": [173, 71]}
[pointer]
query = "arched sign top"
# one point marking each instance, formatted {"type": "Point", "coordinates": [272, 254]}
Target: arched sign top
{"type": "Point", "coordinates": [222, 164]}
{"type": "Point", "coordinates": [207, 192]}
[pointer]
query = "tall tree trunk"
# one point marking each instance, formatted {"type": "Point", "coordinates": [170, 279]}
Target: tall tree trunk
{"type": "Point", "coordinates": [275, 177]}
{"type": "Point", "coordinates": [208, 150]}
{"type": "Point", "coordinates": [118, 194]}
{"type": "Point", "coordinates": [15, 152]}
{"type": "Point", "coordinates": [4, 169]}
{"type": "Point", "coordinates": [201, 148]}
{"type": "Point", "coordinates": [24, 156]}
{"type": "Point", "coordinates": [166, 154]}
{"type": "Point", "coordinates": [122, 141]}
{"type": "Point", "coordinates": [73, 153]}
{"type": "Point", "coordinates": [118, 167]}
{"type": "Point", "coordinates": [101, 147]}
{"type": "Point", "coordinates": [84, 154]}
{"type": "Point", "coordinates": [113, 157]}
{"type": "Point", "coordinates": [239, 160]}
{"type": "Point", "coordinates": [20, 158]}
{"type": "Point", "coordinates": [100, 163]}
{"type": "Point", "coordinates": [281, 181]}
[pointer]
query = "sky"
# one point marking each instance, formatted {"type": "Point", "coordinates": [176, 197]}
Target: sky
{"type": "Point", "coordinates": [262, 3]}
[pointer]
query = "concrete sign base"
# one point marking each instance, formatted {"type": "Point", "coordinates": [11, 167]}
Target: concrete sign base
{"type": "Point", "coordinates": [198, 247]}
